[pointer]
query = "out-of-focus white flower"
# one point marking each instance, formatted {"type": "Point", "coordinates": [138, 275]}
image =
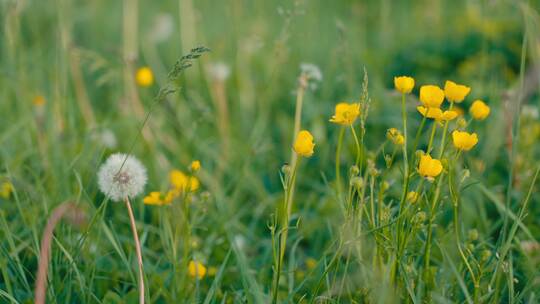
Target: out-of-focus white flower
{"type": "Point", "coordinates": [108, 139]}
{"type": "Point", "coordinates": [162, 28]}
{"type": "Point", "coordinates": [121, 176]}
{"type": "Point", "coordinates": [219, 71]}
{"type": "Point", "coordinates": [530, 111]}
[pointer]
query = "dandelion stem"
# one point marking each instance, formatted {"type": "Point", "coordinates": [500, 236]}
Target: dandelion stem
{"type": "Point", "coordinates": [137, 249]}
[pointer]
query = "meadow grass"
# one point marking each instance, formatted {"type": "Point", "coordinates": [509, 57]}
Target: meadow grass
{"type": "Point", "coordinates": [212, 96]}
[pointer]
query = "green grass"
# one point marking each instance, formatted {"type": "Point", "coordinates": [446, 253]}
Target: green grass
{"type": "Point", "coordinates": [81, 57]}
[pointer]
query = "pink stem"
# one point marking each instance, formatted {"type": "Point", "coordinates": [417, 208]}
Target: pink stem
{"type": "Point", "coordinates": [138, 250]}
{"type": "Point", "coordinates": [45, 249]}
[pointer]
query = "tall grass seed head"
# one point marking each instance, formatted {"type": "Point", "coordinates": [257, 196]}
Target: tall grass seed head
{"type": "Point", "coordinates": [429, 167]}
{"type": "Point", "coordinates": [144, 77]}
{"type": "Point", "coordinates": [479, 110]}
{"type": "Point", "coordinates": [463, 140]}
{"type": "Point", "coordinates": [455, 92]}
{"type": "Point", "coordinates": [346, 113]}
{"type": "Point", "coordinates": [121, 176]}
{"type": "Point", "coordinates": [304, 145]}
{"type": "Point", "coordinates": [404, 84]}
{"type": "Point", "coordinates": [431, 96]}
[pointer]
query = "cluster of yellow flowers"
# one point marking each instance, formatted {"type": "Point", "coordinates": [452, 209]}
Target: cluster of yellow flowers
{"type": "Point", "coordinates": [432, 97]}
{"type": "Point", "coordinates": [180, 183]}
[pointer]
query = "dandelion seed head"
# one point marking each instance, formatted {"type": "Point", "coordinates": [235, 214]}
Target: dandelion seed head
{"type": "Point", "coordinates": [312, 71]}
{"type": "Point", "coordinates": [119, 181]}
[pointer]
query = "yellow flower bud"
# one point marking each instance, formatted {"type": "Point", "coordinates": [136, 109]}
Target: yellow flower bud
{"type": "Point", "coordinates": [479, 110]}
{"type": "Point", "coordinates": [412, 197]}
{"type": "Point", "coordinates": [404, 84]}
{"type": "Point", "coordinates": [395, 136]}
{"type": "Point", "coordinates": [195, 166]}
{"type": "Point", "coordinates": [304, 145]}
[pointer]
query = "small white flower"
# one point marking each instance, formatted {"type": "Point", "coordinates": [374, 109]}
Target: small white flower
{"type": "Point", "coordinates": [121, 176]}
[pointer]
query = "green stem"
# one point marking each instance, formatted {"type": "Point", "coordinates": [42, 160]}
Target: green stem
{"type": "Point", "coordinates": [338, 152]}
{"type": "Point", "coordinates": [357, 143]}
{"type": "Point", "coordinates": [284, 229]}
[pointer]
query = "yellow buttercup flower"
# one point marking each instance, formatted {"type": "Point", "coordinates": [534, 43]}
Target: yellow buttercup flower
{"type": "Point", "coordinates": [404, 84]}
{"type": "Point", "coordinates": [39, 101]}
{"type": "Point", "coordinates": [463, 140]}
{"type": "Point", "coordinates": [311, 263]}
{"type": "Point", "coordinates": [429, 167]}
{"type": "Point", "coordinates": [395, 136]}
{"type": "Point", "coordinates": [181, 182]}
{"type": "Point", "coordinates": [5, 189]}
{"type": "Point", "coordinates": [437, 114]}
{"type": "Point", "coordinates": [144, 77]}
{"type": "Point", "coordinates": [196, 270]}
{"type": "Point", "coordinates": [346, 113]}
{"type": "Point", "coordinates": [431, 96]}
{"type": "Point", "coordinates": [303, 146]}
{"type": "Point", "coordinates": [155, 198]}
{"type": "Point", "coordinates": [195, 166]}
{"type": "Point", "coordinates": [479, 110]}
{"type": "Point", "coordinates": [455, 92]}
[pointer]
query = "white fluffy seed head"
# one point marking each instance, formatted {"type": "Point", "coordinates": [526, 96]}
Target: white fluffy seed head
{"type": "Point", "coordinates": [119, 181]}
